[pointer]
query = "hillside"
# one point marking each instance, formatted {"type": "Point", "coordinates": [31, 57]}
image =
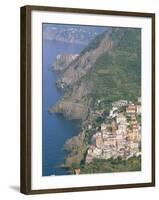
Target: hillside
{"type": "Point", "coordinates": [108, 69]}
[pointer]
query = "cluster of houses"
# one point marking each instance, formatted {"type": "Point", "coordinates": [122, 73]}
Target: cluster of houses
{"type": "Point", "coordinates": [119, 135]}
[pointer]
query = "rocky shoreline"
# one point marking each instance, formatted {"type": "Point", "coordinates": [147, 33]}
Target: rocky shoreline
{"type": "Point", "coordinates": [70, 110]}
{"type": "Point", "coordinates": [76, 148]}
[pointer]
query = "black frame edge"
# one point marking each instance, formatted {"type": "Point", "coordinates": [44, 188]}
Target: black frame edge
{"type": "Point", "coordinates": [88, 11]}
{"type": "Point", "coordinates": [153, 31]}
{"type": "Point", "coordinates": [25, 106]}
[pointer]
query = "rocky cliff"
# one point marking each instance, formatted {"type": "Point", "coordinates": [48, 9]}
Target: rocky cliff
{"type": "Point", "coordinates": [74, 104]}
{"type": "Point", "coordinates": [85, 62]}
{"type": "Point", "coordinates": [63, 60]}
{"type": "Point", "coordinates": [71, 110]}
{"type": "Point", "coordinates": [108, 69]}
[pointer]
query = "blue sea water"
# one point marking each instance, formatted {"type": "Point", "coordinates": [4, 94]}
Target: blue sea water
{"type": "Point", "coordinates": [56, 129]}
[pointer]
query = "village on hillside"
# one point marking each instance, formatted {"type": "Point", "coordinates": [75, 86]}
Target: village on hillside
{"type": "Point", "coordinates": [119, 134]}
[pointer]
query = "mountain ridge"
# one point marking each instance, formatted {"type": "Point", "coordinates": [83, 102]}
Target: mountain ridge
{"type": "Point", "coordinates": [108, 69]}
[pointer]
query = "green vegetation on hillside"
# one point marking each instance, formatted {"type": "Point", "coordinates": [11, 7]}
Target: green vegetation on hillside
{"type": "Point", "coordinates": [117, 75]}
{"type": "Point", "coordinates": [94, 43]}
{"type": "Point", "coordinates": [112, 165]}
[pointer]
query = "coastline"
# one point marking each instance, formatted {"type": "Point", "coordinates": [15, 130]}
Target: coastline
{"type": "Point", "coordinates": [56, 128]}
{"type": "Point", "coordinates": [92, 89]}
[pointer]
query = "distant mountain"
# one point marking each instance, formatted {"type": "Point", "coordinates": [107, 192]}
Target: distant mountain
{"type": "Point", "coordinates": [108, 69]}
{"type": "Point", "coordinates": [75, 34]}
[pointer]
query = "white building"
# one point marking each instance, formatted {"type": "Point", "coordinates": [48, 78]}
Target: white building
{"type": "Point", "coordinates": [121, 129]}
{"type": "Point", "coordinates": [103, 127]}
{"type": "Point", "coordinates": [106, 135]}
{"type": "Point", "coordinates": [120, 103]}
{"type": "Point", "coordinates": [131, 109]}
{"type": "Point", "coordinates": [113, 112]}
{"type": "Point", "coordinates": [119, 136]}
{"type": "Point", "coordinates": [120, 119]}
{"type": "Point", "coordinates": [138, 109]}
{"type": "Point", "coordinates": [97, 152]}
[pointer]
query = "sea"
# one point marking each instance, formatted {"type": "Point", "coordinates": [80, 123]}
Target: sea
{"type": "Point", "coordinates": [56, 128]}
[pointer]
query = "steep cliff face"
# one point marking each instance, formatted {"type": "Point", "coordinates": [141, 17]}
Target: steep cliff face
{"type": "Point", "coordinates": [63, 60]}
{"type": "Point", "coordinates": [74, 104]}
{"type": "Point", "coordinates": [85, 62]}
{"type": "Point", "coordinates": [108, 69]}
{"type": "Point", "coordinates": [71, 110]}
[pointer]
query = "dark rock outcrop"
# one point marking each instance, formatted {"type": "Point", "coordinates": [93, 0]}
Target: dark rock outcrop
{"type": "Point", "coordinates": [76, 148]}
{"type": "Point", "coordinates": [71, 110]}
{"type": "Point", "coordinates": [74, 104]}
